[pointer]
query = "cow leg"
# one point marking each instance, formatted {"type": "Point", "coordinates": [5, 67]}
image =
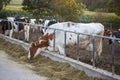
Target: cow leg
{"type": "Point", "coordinates": [61, 50]}
{"type": "Point", "coordinates": [26, 32]}
{"type": "Point", "coordinates": [96, 58]}
{"type": "Point", "coordinates": [25, 35]}
{"type": "Point", "coordinates": [50, 48]}
{"type": "Point", "coordinates": [11, 33]}
{"type": "Point", "coordinates": [98, 49]}
{"type": "Point", "coordinates": [28, 36]}
{"type": "Point", "coordinates": [7, 32]}
{"type": "Point", "coordinates": [90, 48]}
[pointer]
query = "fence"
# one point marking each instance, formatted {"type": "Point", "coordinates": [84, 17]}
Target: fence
{"type": "Point", "coordinates": [93, 38]}
{"type": "Point", "coordinates": [78, 41]}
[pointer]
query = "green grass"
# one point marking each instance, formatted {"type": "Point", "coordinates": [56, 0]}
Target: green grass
{"type": "Point", "coordinates": [94, 13]}
{"type": "Point", "coordinates": [14, 5]}
{"type": "Point", "coordinates": [11, 7]}
{"type": "Point", "coordinates": [16, 2]}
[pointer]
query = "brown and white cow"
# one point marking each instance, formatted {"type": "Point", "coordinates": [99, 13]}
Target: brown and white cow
{"type": "Point", "coordinates": [47, 40]}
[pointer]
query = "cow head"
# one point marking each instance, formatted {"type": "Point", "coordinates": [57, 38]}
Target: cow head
{"type": "Point", "coordinates": [37, 46]}
{"type": "Point", "coordinates": [107, 32]}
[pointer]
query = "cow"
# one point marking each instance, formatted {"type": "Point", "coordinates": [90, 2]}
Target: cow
{"type": "Point", "coordinates": [46, 41]}
{"type": "Point", "coordinates": [42, 23]}
{"type": "Point", "coordinates": [22, 25]}
{"type": "Point", "coordinates": [115, 34]}
{"type": "Point", "coordinates": [47, 23]}
{"type": "Point", "coordinates": [107, 32]}
{"type": "Point", "coordinates": [6, 26]}
{"type": "Point", "coordinates": [15, 24]}
{"type": "Point", "coordinates": [21, 22]}
{"type": "Point", "coordinates": [36, 22]}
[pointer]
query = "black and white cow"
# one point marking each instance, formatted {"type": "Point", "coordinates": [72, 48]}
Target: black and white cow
{"type": "Point", "coordinates": [22, 25]}
{"type": "Point", "coordinates": [115, 34]}
{"type": "Point", "coordinates": [42, 23]}
{"type": "Point", "coordinates": [47, 23]}
{"type": "Point", "coordinates": [21, 22]}
{"type": "Point", "coordinates": [6, 26]}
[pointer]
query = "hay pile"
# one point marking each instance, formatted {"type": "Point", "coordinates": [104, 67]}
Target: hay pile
{"type": "Point", "coordinates": [43, 65]}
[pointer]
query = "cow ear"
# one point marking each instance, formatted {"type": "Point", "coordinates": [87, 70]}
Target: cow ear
{"type": "Point", "coordinates": [46, 34]}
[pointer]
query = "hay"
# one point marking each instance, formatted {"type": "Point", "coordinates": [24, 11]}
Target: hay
{"type": "Point", "coordinates": [44, 65]}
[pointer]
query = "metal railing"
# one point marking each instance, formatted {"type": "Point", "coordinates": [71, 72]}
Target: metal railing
{"type": "Point", "coordinates": [93, 41]}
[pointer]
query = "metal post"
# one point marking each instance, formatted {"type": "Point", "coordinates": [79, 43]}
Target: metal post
{"type": "Point", "coordinates": [18, 30]}
{"type": "Point", "coordinates": [78, 46]}
{"type": "Point", "coordinates": [113, 51]}
{"type": "Point", "coordinates": [54, 41]}
{"type": "Point", "coordinates": [93, 55]}
{"type": "Point", "coordinates": [65, 41]}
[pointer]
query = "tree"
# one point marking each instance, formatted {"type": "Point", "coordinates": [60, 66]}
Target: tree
{"type": "Point", "coordinates": [114, 6]}
{"type": "Point", "coordinates": [67, 9]}
{"type": "Point", "coordinates": [4, 3]}
{"type": "Point", "coordinates": [37, 7]}
{"type": "Point", "coordinates": [93, 5]}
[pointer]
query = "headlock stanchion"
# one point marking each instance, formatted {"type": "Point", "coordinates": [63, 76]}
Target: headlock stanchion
{"type": "Point", "coordinates": [78, 47]}
{"type": "Point", "coordinates": [54, 40]}
{"type": "Point", "coordinates": [65, 42]}
{"type": "Point", "coordinates": [113, 55]}
{"type": "Point", "coordinates": [93, 52]}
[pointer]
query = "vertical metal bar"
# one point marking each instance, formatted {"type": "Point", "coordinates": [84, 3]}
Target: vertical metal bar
{"type": "Point", "coordinates": [65, 42]}
{"type": "Point", "coordinates": [113, 51]}
{"type": "Point", "coordinates": [18, 30]}
{"type": "Point", "coordinates": [54, 41]}
{"type": "Point", "coordinates": [93, 52]}
{"type": "Point", "coordinates": [78, 46]}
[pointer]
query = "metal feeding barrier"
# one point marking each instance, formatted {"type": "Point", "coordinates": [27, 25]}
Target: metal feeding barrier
{"type": "Point", "coordinates": [93, 36]}
{"type": "Point", "coordinates": [93, 41]}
